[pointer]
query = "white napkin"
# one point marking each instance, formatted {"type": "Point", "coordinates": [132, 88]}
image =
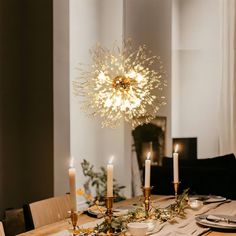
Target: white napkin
{"type": "Point", "coordinates": [220, 223]}
{"type": "Point", "coordinates": [220, 218]}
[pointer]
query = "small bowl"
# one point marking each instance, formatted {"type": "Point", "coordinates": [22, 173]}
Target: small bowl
{"type": "Point", "coordinates": [151, 224]}
{"type": "Point", "coordinates": [195, 204]}
{"type": "Point", "coordinates": [137, 228]}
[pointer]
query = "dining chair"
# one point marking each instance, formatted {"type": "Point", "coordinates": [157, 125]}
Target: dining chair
{"type": "Point", "coordinates": [49, 211]}
{"type": "Point", "coordinates": [1, 229]}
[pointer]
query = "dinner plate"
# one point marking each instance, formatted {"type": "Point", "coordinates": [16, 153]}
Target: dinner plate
{"type": "Point", "coordinates": [213, 199]}
{"type": "Point", "coordinates": [208, 198]}
{"type": "Point", "coordinates": [96, 211]}
{"type": "Point", "coordinates": [202, 220]}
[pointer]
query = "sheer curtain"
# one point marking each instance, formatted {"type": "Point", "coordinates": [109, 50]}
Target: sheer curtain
{"type": "Point", "coordinates": [227, 114]}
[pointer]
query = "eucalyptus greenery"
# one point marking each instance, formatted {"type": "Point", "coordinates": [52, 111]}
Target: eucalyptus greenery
{"type": "Point", "coordinates": [98, 180]}
{"type": "Point", "coordinates": [119, 224]}
{"type": "Point", "coordinates": [177, 209]}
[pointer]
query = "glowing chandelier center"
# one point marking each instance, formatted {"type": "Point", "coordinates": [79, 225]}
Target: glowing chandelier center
{"type": "Point", "coordinates": [121, 82]}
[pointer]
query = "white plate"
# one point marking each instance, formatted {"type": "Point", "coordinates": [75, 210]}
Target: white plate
{"type": "Point", "coordinates": [202, 219]}
{"type": "Point", "coordinates": [213, 199]}
{"type": "Point", "coordinates": [207, 198]}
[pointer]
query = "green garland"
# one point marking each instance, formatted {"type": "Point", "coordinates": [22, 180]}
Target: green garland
{"type": "Point", "coordinates": [119, 224]}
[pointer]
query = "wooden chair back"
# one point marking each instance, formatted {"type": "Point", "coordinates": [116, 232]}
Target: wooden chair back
{"type": "Point", "coordinates": [50, 210]}
{"type": "Point", "coordinates": [1, 229]}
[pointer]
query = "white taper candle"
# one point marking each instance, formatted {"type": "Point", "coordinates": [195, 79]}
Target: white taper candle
{"type": "Point", "coordinates": [176, 165]}
{"type": "Point", "coordinates": [72, 182]}
{"type": "Point", "coordinates": [147, 170]}
{"type": "Point", "coordinates": [110, 178]}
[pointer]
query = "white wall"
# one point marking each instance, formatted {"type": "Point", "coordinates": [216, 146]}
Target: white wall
{"type": "Point", "coordinates": [195, 72]}
{"type": "Point", "coordinates": [149, 22]}
{"type": "Point", "coordinates": [89, 22]}
{"type": "Point", "coordinates": [193, 83]}
{"type": "Point", "coordinates": [93, 21]}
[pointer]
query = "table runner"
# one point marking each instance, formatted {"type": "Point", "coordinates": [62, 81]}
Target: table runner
{"type": "Point", "coordinates": [179, 227]}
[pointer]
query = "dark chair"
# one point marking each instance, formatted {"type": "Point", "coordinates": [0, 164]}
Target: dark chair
{"type": "Point", "coordinates": [13, 222]}
{"type": "Point", "coordinates": [215, 176]}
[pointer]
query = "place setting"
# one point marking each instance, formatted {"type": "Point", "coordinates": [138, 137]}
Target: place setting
{"type": "Point", "coordinates": [217, 221]}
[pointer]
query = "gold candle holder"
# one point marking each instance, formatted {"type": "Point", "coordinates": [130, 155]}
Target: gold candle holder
{"type": "Point", "coordinates": [176, 188]}
{"type": "Point", "coordinates": [109, 212]}
{"type": "Point", "coordinates": [74, 219]}
{"type": "Point", "coordinates": [147, 196]}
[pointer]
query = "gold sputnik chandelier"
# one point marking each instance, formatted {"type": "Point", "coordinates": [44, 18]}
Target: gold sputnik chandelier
{"type": "Point", "coordinates": [122, 83]}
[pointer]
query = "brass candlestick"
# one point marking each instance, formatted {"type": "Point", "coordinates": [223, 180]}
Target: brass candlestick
{"type": "Point", "coordinates": [147, 195]}
{"type": "Point", "coordinates": [176, 188]}
{"type": "Point", "coordinates": [109, 213]}
{"type": "Point", "coordinates": [74, 219]}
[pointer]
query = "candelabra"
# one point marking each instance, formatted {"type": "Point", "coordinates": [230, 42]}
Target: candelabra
{"type": "Point", "coordinates": [109, 213]}
{"type": "Point", "coordinates": [147, 195]}
{"type": "Point", "coordinates": [74, 219]}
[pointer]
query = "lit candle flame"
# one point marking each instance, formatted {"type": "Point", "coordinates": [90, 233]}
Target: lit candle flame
{"type": "Point", "coordinates": [176, 147]}
{"type": "Point", "coordinates": [148, 155]}
{"type": "Point", "coordinates": [71, 162]}
{"type": "Point", "coordinates": [111, 160]}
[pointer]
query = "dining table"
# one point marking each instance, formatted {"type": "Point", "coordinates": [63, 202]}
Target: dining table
{"type": "Point", "coordinates": [186, 226]}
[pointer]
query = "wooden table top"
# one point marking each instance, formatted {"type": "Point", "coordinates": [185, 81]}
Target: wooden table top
{"type": "Point", "coordinates": [64, 224]}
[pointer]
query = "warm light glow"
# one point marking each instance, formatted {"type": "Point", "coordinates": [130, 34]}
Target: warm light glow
{"type": "Point", "coordinates": [111, 160]}
{"type": "Point", "coordinates": [131, 74]}
{"type": "Point", "coordinates": [121, 83]}
{"type": "Point", "coordinates": [71, 162]}
{"type": "Point", "coordinates": [176, 147]}
{"type": "Point", "coordinates": [102, 77]}
{"type": "Point", "coordinates": [108, 102]}
{"type": "Point", "coordinates": [148, 155]}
